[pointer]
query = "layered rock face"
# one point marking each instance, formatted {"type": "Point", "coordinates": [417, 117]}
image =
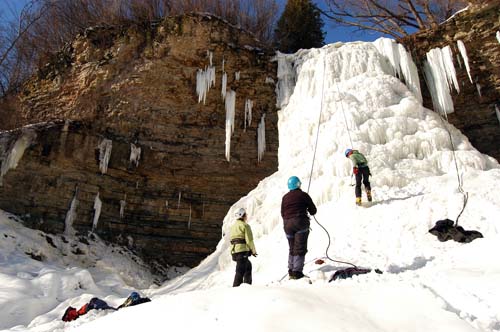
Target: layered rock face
{"type": "Point", "coordinates": [138, 158]}
{"type": "Point", "coordinates": [477, 105]}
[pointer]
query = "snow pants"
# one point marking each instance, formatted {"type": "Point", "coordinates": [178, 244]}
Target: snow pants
{"type": "Point", "coordinates": [362, 176]}
{"type": "Point", "coordinates": [243, 269]}
{"type": "Point", "coordinates": [297, 232]}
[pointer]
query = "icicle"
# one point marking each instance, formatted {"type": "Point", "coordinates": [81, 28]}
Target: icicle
{"type": "Point", "coordinates": [497, 111]}
{"type": "Point", "coordinates": [210, 56]}
{"type": "Point", "coordinates": [123, 204]}
{"type": "Point", "coordinates": [97, 211]}
{"type": "Point", "coordinates": [478, 88]}
{"type": "Point", "coordinates": [71, 215]}
{"type": "Point", "coordinates": [179, 200]}
{"type": "Point", "coordinates": [237, 76]}
{"type": "Point", "coordinates": [498, 36]}
{"type": "Point", "coordinates": [439, 74]}
{"type": "Point", "coordinates": [223, 62]}
{"type": "Point", "coordinates": [261, 138]}
{"type": "Point", "coordinates": [230, 110]}
{"type": "Point", "coordinates": [269, 80]}
{"type": "Point", "coordinates": [135, 154]}
{"type": "Point", "coordinates": [463, 52]}
{"type": "Point", "coordinates": [459, 61]}
{"type": "Point", "coordinates": [16, 153]}
{"type": "Point", "coordinates": [248, 113]}
{"type": "Point", "coordinates": [166, 205]}
{"type": "Point", "coordinates": [286, 80]}
{"type": "Point", "coordinates": [104, 154]}
{"type": "Point", "coordinates": [224, 86]}
{"type": "Point", "coordinates": [204, 80]}
{"type": "Point", "coordinates": [402, 64]}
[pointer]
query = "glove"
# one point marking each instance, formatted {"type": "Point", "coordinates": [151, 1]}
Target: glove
{"type": "Point", "coordinates": [254, 254]}
{"type": "Point", "coordinates": [355, 170]}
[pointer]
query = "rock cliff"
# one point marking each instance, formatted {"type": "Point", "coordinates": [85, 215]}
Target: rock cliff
{"type": "Point", "coordinates": [131, 144]}
{"type": "Point", "coordinates": [477, 105]}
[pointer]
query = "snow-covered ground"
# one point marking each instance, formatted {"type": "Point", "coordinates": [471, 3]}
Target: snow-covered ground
{"type": "Point", "coordinates": [426, 285]}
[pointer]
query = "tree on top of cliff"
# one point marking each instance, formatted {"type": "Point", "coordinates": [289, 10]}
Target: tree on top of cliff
{"type": "Point", "coordinates": [300, 26]}
{"type": "Point", "coordinates": [393, 18]}
{"type": "Point", "coordinates": [63, 20]}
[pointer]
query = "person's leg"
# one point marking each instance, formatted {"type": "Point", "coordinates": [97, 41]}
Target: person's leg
{"type": "Point", "coordinates": [357, 189]}
{"type": "Point", "coordinates": [365, 171]}
{"type": "Point", "coordinates": [247, 277]}
{"type": "Point", "coordinates": [300, 250]}
{"type": "Point", "coordinates": [240, 272]}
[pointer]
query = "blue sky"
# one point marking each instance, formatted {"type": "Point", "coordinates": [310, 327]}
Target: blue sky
{"type": "Point", "coordinates": [332, 34]}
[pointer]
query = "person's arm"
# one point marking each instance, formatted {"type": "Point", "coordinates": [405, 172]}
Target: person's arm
{"type": "Point", "coordinates": [249, 239]}
{"type": "Point", "coordinates": [311, 207]}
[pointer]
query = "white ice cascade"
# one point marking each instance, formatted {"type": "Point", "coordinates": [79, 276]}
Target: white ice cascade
{"type": "Point", "coordinates": [16, 153]}
{"type": "Point", "coordinates": [497, 111]}
{"type": "Point", "coordinates": [224, 86]}
{"type": "Point", "coordinates": [498, 36]}
{"type": "Point", "coordinates": [104, 154]}
{"type": "Point", "coordinates": [402, 64]}
{"type": "Point", "coordinates": [286, 79]}
{"type": "Point", "coordinates": [97, 212]}
{"type": "Point", "coordinates": [463, 52]}
{"type": "Point", "coordinates": [261, 138]}
{"type": "Point", "coordinates": [205, 79]}
{"type": "Point", "coordinates": [248, 113]}
{"type": "Point", "coordinates": [439, 73]}
{"type": "Point", "coordinates": [237, 76]}
{"type": "Point", "coordinates": [135, 154]}
{"type": "Point", "coordinates": [230, 110]}
{"type": "Point", "coordinates": [71, 215]}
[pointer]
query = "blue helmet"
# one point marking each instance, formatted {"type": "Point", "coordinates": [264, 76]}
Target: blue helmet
{"type": "Point", "coordinates": [293, 183]}
{"type": "Point", "coordinates": [134, 296]}
{"type": "Point", "coordinates": [347, 152]}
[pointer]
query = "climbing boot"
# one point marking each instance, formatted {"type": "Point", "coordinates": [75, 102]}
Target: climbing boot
{"type": "Point", "coordinates": [369, 195]}
{"type": "Point", "coordinates": [358, 200]}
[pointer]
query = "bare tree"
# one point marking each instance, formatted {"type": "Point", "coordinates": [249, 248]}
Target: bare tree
{"type": "Point", "coordinates": [392, 17]}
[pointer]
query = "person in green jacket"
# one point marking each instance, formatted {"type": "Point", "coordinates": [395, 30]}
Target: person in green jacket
{"type": "Point", "coordinates": [362, 173]}
{"type": "Point", "coordinates": [242, 247]}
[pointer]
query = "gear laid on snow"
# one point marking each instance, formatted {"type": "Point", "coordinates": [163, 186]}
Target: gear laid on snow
{"type": "Point", "coordinates": [71, 313]}
{"type": "Point", "coordinates": [134, 299]}
{"type": "Point", "coordinates": [447, 230]}
{"type": "Point", "coordinates": [350, 272]}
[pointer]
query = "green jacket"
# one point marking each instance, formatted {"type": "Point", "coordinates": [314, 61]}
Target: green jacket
{"type": "Point", "coordinates": [242, 231]}
{"type": "Point", "coordinates": [358, 159]}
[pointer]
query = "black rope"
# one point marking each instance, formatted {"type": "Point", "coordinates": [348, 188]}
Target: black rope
{"type": "Point", "coordinates": [460, 180]}
{"type": "Point", "coordinates": [328, 247]}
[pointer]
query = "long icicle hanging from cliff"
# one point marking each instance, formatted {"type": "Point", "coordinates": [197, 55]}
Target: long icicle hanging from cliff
{"type": "Point", "coordinates": [16, 153]}
{"type": "Point", "coordinates": [104, 154]}
{"type": "Point", "coordinates": [261, 138]}
{"type": "Point", "coordinates": [230, 110]}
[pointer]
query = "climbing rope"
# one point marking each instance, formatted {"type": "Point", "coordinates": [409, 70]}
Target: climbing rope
{"type": "Point", "coordinates": [314, 158]}
{"type": "Point", "coordinates": [460, 179]}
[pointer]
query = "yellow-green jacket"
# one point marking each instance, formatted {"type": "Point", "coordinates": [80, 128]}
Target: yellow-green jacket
{"type": "Point", "coordinates": [241, 238]}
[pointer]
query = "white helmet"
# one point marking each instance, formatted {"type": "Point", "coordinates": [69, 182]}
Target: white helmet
{"type": "Point", "coordinates": [240, 213]}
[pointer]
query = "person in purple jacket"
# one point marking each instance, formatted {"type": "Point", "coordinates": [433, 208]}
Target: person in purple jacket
{"type": "Point", "coordinates": [295, 206]}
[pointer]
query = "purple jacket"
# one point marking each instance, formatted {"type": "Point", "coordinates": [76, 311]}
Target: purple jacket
{"type": "Point", "coordinates": [297, 203]}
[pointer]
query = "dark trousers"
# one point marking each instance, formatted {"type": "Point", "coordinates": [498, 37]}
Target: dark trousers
{"type": "Point", "coordinates": [243, 270]}
{"type": "Point", "coordinates": [297, 233]}
{"type": "Point", "coordinates": [362, 176]}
